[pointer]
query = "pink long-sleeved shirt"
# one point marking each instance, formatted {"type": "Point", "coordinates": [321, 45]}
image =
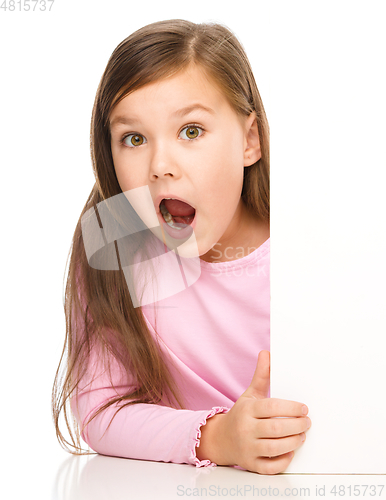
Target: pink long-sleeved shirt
{"type": "Point", "coordinates": [212, 332]}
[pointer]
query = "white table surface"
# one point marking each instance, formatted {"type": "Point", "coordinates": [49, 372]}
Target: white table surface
{"type": "Point", "coordinates": [99, 477]}
{"type": "Point", "coordinates": [61, 476]}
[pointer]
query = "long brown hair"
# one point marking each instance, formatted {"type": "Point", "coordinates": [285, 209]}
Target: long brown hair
{"type": "Point", "coordinates": [98, 307]}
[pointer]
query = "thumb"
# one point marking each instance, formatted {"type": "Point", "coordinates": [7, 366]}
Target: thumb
{"type": "Point", "coordinates": [259, 386]}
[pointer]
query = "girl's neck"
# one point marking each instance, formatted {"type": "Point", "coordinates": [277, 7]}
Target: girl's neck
{"type": "Point", "coordinates": [251, 233]}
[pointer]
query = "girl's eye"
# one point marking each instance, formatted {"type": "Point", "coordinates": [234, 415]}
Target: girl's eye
{"type": "Point", "coordinates": [133, 140]}
{"type": "Point", "coordinates": [191, 132]}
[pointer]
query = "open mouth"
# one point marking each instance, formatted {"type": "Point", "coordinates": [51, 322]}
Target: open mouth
{"type": "Point", "coordinates": [177, 214]}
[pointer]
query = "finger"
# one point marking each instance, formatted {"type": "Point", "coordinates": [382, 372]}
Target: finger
{"type": "Point", "coordinates": [259, 385]}
{"type": "Point", "coordinates": [281, 427]}
{"type": "Point", "coordinates": [276, 447]}
{"type": "Point", "coordinates": [273, 465]}
{"type": "Point", "coordinates": [273, 407]}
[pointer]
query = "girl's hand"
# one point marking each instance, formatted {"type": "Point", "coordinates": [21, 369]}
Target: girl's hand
{"type": "Point", "coordinates": [249, 435]}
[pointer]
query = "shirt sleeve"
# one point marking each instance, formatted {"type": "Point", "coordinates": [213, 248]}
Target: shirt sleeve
{"type": "Point", "coordinates": [139, 431]}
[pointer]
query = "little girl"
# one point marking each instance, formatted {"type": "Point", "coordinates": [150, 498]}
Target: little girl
{"type": "Point", "coordinates": [179, 130]}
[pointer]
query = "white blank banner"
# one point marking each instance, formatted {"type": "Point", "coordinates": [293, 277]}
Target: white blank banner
{"type": "Point", "coordinates": [328, 241]}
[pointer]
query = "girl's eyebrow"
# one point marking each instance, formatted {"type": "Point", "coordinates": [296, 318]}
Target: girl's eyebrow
{"type": "Point", "coordinates": [193, 107]}
{"type": "Point", "coordinates": [179, 113]}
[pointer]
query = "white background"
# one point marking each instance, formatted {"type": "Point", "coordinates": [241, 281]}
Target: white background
{"type": "Point", "coordinates": [319, 68]}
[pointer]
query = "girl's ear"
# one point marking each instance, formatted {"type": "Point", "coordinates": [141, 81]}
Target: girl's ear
{"type": "Point", "coordinates": [252, 151]}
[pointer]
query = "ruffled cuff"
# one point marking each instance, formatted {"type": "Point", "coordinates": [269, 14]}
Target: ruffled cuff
{"type": "Point", "coordinates": [194, 460]}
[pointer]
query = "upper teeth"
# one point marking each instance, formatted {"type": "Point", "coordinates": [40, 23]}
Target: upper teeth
{"type": "Point", "coordinates": [165, 211]}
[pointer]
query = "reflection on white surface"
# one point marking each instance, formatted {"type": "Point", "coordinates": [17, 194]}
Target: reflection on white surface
{"type": "Point", "coordinates": [97, 477]}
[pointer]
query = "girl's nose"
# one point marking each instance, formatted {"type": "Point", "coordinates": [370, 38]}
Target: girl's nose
{"type": "Point", "coordinates": [162, 162]}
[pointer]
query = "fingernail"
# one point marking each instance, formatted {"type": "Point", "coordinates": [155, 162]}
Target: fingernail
{"type": "Point", "coordinates": [304, 410]}
{"type": "Point", "coordinates": [308, 422]}
{"type": "Point", "coordinates": [303, 436]}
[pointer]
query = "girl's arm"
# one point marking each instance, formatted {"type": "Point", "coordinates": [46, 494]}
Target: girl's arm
{"type": "Point", "coordinates": [139, 431]}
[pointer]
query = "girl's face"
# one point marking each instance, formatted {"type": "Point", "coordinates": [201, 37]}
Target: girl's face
{"type": "Point", "coordinates": [181, 138]}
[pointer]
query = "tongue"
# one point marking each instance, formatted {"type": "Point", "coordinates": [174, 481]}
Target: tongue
{"type": "Point", "coordinates": [181, 212]}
